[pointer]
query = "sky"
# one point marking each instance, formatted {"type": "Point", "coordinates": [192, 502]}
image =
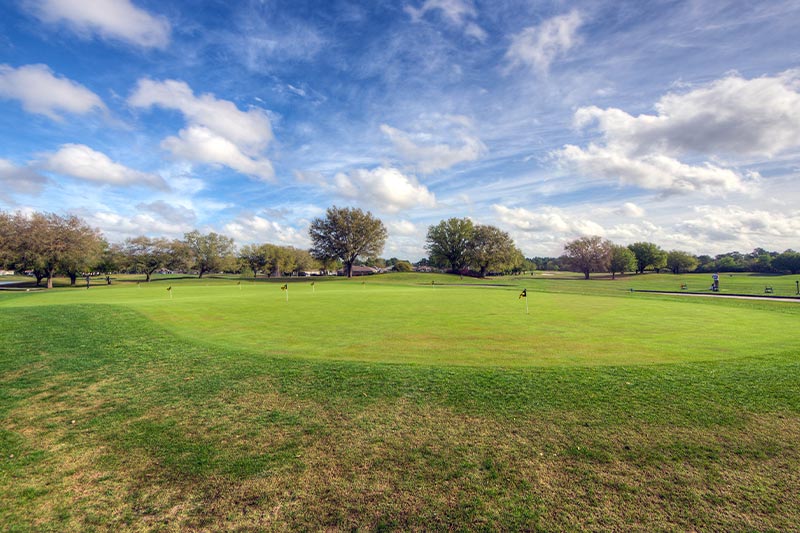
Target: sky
{"type": "Point", "coordinates": [674, 122]}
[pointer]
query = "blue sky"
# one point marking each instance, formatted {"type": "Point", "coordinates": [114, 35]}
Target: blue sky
{"type": "Point", "coordinates": [672, 122]}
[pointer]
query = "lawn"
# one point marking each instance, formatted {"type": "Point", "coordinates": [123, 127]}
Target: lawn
{"type": "Point", "coordinates": [394, 403]}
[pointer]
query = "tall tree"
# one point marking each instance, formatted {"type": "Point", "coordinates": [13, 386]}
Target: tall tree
{"type": "Point", "coordinates": [491, 248]}
{"type": "Point", "coordinates": [589, 254]}
{"type": "Point", "coordinates": [448, 243]}
{"type": "Point", "coordinates": [648, 255]}
{"type": "Point", "coordinates": [622, 260]}
{"type": "Point", "coordinates": [147, 255]}
{"type": "Point", "coordinates": [347, 233]}
{"type": "Point", "coordinates": [47, 243]}
{"type": "Point", "coordinates": [678, 261]}
{"type": "Point", "coordinates": [209, 252]}
{"type": "Point", "coordinates": [787, 261]}
{"type": "Point", "coordinates": [254, 257]}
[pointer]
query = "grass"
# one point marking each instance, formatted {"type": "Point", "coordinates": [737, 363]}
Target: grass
{"type": "Point", "coordinates": [440, 407]}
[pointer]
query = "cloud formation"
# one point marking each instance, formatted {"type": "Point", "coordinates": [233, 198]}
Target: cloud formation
{"type": "Point", "coordinates": [19, 180]}
{"type": "Point", "coordinates": [387, 189]}
{"type": "Point", "coordinates": [538, 46]}
{"type": "Point", "coordinates": [257, 229]}
{"type": "Point", "coordinates": [732, 117]}
{"type": "Point", "coordinates": [459, 13]}
{"type": "Point", "coordinates": [218, 132]}
{"type": "Point", "coordinates": [429, 151]}
{"type": "Point", "coordinates": [734, 223]}
{"type": "Point", "coordinates": [42, 92]}
{"type": "Point", "coordinates": [113, 20]}
{"type": "Point", "coordinates": [548, 219]}
{"type": "Point", "coordinates": [81, 162]}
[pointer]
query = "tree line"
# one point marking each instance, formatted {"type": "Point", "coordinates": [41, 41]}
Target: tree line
{"type": "Point", "coordinates": [595, 254]}
{"type": "Point", "coordinates": [46, 245]}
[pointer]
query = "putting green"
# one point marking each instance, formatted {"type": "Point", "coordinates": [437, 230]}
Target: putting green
{"type": "Point", "coordinates": [476, 326]}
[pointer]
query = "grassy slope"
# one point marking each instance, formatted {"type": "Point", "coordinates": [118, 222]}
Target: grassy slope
{"type": "Point", "coordinates": [170, 432]}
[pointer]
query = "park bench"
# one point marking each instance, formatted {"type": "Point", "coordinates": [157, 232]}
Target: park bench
{"type": "Point", "coordinates": [684, 286]}
{"type": "Point", "coordinates": [768, 290]}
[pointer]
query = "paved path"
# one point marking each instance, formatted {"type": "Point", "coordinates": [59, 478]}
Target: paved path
{"type": "Point", "coordinates": [791, 299]}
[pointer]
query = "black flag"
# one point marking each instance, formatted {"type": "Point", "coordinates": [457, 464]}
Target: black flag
{"type": "Point", "coordinates": [523, 294]}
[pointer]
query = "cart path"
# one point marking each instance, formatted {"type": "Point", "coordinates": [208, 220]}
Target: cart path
{"type": "Point", "coordinates": [791, 299]}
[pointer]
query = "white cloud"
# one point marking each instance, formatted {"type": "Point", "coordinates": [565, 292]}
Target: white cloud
{"type": "Point", "coordinates": [43, 93]}
{"type": "Point", "coordinates": [427, 152]}
{"type": "Point", "coordinates": [629, 209]}
{"type": "Point", "coordinates": [652, 171]}
{"type": "Point", "coordinates": [19, 180]}
{"type": "Point", "coordinates": [538, 46]}
{"type": "Point", "coordinates": [733, 115]}
{"type": "Point", "coordinates": [459, 13]}
{"type": "Point", "coordinates": [218, 132]}
{"type": "Point", "coordinates": [255, 229]}
{"type": "Point", "coordinates": [117, 227]}
{"type": "Point", "coordinates": [81, 162]}
{"type": "Point", "coordinates": [402, 227]}
{"type": "Point", "coordinates": [202, 145]}
{"type": "Point", "coordinates": [733, 223]}
{"type": "Point", "coordinates": [548, 219]}
{"type": "Point", "coordinates": [110, 19]}
{"type": "Point", "coordinates": [386, 189]}
{"type": "Point", "coordinates": [170, 212]}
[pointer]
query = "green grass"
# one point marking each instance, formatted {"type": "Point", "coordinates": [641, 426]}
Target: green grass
{"type": "Point", "coordinates": [396, 405]}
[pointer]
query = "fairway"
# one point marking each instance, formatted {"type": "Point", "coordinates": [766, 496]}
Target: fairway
{"type": "Point", "coordinates": [394, 404]}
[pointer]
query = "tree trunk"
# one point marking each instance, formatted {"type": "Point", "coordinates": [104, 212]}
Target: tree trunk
{"type": "Point", "coordinates": [483, 271]}
{"type": "Point", "coordinates": [49, 280]}
{"type": "Point", "coordinates": [147, 277]}
{"type": "Point", "coordinates": [39, 276]}
{"type": "Point", "coordinates": [202, 271]}
{"type": "Point", "coordinates": [613, 275]}
{"type": "Point", "coordinates": [72, 277]}
{"type": "Point", "coordinates": [348, 269]}
{"type": "Point", "coordinates": [586, 274]}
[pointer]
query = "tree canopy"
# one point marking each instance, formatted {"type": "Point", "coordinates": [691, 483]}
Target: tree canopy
{"type": "Point", "coordinates": [448, 243]}
{"type": "Point", "coordinates": [209, 252]}
{"type": "Point", "coordinates": [648, 255]}
{"type": "Point", "coordinates": [347, 233]}
{"type": "Point", "coordinates": [589, 254]}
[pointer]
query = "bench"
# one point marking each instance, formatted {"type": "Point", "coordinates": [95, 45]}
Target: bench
{"type": "Point", "coordinates": [684, 286]}
{"type": "Point", "coordinates": [768, 290]}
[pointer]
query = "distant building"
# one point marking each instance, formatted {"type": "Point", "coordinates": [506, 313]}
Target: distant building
{"type": "Point", "coordinates": [359, 271]}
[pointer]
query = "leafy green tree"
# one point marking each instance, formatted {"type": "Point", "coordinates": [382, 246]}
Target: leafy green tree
{"type": "Point", "coordinates": [678, 261]}
{"type": "Point", "coordinates": [346, 233]}
{"type": "Point", "coordinates": [254, 257]}
{"type": "Point", "coordinates": [146, 255]}
{"type": "Point", "coordinates": [589, 254]}
{"type": "Point", "coordinates": [209, 253]}
{"type": "Point", "coordinates": [448, 243]}
{"type": "Point", "coordinates": [648, 255]}
{"type": "Point", "coordinates": [787, 261]}
{"type": "Point", "coordinates": [491, 249]}
{"type": "Point", "coordinates": [622, 260]}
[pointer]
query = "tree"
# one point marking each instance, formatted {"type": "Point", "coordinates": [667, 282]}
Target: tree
{"type": "Point", "coordinates": [589, 254]}
{"type": "Point", "coordinates": [490, 248]}
{"type": "Point", "coordinates": [787, 261]}
{"type": "Point", "coordinates": [47, 243]}
{"type": "Point", "coordinates": [254, 257]}
{"type": "Point", "coordinates": [346, 233]}
{"type": "Point", "coordinates": [147, 255]}
{"type": "Point", "coordinates": [648, 255]}
{"type": "Point", "coordinates": [209, 253]}
{"type": "Point", "coordinates": [448, 243]}
{"type": "Point", "coordinates": [7, 245]}
{"type": "Point", "coordinates": [678, 261]}
{"type": "Point", "coordinates": [402, 266]}
{"type": "Point", "coordinates": [622, 260]}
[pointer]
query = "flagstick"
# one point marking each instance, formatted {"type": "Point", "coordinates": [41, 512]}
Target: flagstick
{"type": "Point", "coordinates": [526, 303]}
